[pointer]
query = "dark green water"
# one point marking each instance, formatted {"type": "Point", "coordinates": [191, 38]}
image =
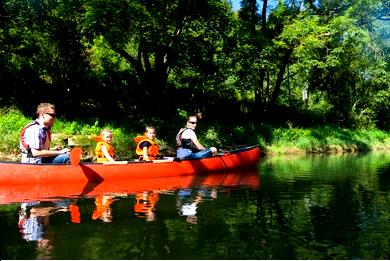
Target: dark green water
{"type": "Point", "coordinates": [323, 207]}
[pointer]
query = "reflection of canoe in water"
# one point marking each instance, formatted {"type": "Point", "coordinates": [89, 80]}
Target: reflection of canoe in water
{"type": "Point", "coordinates": [17, 173]}
{"type": "Point", "coordinates": [51, 191]}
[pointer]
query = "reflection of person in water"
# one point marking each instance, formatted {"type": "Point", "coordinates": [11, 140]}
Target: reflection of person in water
{"type": "Point", "coordinates": [103, 209]}
{"type": "Point", "coordinates": [30, 225]}
{"type": "Point", "coordinates": [34, 219]}
{"type": "Point", "coordinates": [188, 200]}
{"type": "Point", "coordinates": [145, 203]}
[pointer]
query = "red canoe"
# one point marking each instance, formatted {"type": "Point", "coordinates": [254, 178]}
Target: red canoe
{"type": "Point", "coordinates": [12, 173]}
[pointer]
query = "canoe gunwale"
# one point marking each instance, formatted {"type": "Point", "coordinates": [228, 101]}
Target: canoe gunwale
{"type": "Point", "coordinates": [174, 159]}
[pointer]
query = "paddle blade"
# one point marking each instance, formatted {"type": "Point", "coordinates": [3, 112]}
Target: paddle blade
{"type": "Point", "coordinates": [75, 156]}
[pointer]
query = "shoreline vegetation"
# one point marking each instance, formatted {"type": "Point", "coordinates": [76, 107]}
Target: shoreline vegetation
{"type": "Point", "coordinates": [273, 140]}
{"type": "Point", "coordinates": [293, 78]}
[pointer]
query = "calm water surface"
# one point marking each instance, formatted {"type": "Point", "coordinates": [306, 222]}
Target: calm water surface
{"type": "Point", "coordinates": [319, 207]}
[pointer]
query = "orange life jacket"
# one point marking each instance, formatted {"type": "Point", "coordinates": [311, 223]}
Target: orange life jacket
{"type": "Point", "coordinates": [98, 150]}
{"type": "Point", "coordinates": [153, 149]}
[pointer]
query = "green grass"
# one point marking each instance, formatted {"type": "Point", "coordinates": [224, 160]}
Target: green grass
{"type": "Point", "coordinates": [324, 139]}
{"type": "Point", "coordinates": [272, 140]}
{"type": "Point", "coordinates": [11, 122]}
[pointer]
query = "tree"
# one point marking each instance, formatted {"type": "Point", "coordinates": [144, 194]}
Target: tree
{"type": "Point", "coordinates": [354, 68]}
{"type": "Point", "coordinates": [153, 36]}
{"type": "Point", "coordinates": [326, 46]}
{"type": "Point", "coordinates": [43, 55]}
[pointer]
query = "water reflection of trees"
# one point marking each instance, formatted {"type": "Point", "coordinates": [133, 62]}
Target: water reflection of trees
{"type": "Point", "coordinates": [326, 209]}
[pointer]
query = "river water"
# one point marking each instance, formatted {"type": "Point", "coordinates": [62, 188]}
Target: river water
{"type": "Point", "coordinates": [291, 207]}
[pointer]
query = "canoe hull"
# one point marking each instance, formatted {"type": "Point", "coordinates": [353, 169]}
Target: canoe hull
{"type": "Point", "coordinates": [17, 173]}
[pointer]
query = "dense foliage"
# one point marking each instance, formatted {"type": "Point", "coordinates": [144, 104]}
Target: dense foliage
{"type": "Point", "coordinates": [296, 61]}
{"type": "Point", "coordinates": [272, 140]}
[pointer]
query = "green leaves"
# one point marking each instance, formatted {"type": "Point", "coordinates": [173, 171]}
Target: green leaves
{"type": "Point", "coordinates": [130, 58]}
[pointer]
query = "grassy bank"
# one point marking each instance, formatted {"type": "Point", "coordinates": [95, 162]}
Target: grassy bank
{"type": "Point", "coordinates": [273, 140]}
{"type": "Point", "coordinates": [325, 139]}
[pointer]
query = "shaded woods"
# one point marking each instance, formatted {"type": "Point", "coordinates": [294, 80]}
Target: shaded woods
{"type": "Point", "coordinates": [276, 62]}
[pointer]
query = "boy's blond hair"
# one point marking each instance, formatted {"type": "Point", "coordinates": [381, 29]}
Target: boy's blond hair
{"type": "Point", "coordinates": [148, 128]}
{"type": "Point", "coordinates": [105, 131]}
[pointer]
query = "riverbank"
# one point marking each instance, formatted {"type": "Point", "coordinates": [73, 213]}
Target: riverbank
{"type": "Point", "coordinates": [273, 140]}
{"type": "Point", "coordinates": [326, 139]}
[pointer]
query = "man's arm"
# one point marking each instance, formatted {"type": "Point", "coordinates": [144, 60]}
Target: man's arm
{"type": "Point", "coordinates": [48, 153]}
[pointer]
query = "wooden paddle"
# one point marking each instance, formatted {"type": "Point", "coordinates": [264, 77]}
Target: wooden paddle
{"type": "Point", "coordinates": [75, 156]}
{"type": "Point", "coordinates": [163, 160]}
{"type": "Point", "coordinates": [167, 159]}
{"type": "Point", "coordinates": [115, 163]}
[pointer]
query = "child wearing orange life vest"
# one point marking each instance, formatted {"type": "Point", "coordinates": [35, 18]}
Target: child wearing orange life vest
{"type": "Point", "coordinates": [104, 151]}
{"type": "Point", "coordinates": [147, 148]}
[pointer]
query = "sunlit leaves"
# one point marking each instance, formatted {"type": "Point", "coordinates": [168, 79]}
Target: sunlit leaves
{"type": "Point", "coordinates": [336, 48]}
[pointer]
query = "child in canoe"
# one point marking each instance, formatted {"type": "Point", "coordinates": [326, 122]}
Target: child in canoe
{"type": "Point", "coordinates": [147, 148]}
{"type": "Point", "coordinates": [104, 151]}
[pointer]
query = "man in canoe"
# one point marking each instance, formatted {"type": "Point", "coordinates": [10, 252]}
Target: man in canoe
{"type": "Point", "coordinates": [188, 145]}
{"type": "Point", "coordinates": [35, 139]}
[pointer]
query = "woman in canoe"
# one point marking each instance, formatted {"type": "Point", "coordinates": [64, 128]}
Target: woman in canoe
{"type": "Point", "coordinates": [188, 145]}
{"type": "Point", "coordinates": [147, 148]}
{"type": "Point", "coordinates": [104, 151]}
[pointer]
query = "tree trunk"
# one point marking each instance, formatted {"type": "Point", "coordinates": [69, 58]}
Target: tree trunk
{"type": "Point", "coordinates": [264, 17]}
{"type": "Point", "coordinates": [259, 92]}
{"type": "Point", "coordinates": [280, 77]}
